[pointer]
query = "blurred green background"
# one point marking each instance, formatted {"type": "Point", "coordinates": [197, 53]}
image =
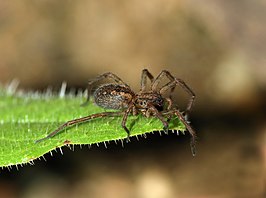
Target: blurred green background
{"type": "Point", "coordinates": [217, 47]}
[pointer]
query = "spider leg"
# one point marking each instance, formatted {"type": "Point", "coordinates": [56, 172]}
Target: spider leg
{"type": "Point", "coordinates": [182, 84]}
{"type": "Point", "coordinates": [77, 121]}
{"type": "Point", "coordinates": [168, 108]}
{"type": "Point", "coordinates": [172, 84]}
{"type": "Point", "coordinates": [169, 103]}
{"type": "Point", "coordinates": [107, 75]}
{"type": "Point", "coordinates": [144, 75]}
{"type": "Point", "coordinates": [190, 130]}
{"type": "Point", "coordinates": [158, 79]}
{"type": "Point", "coordinates": [152, 110]}
{"type": "Point", "coordinates": [124, 120]}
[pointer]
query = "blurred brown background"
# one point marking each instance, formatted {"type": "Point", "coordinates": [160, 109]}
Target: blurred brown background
{"type": "Point", "coordinates": [217, 47]}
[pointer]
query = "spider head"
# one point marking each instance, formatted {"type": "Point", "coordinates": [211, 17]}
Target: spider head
{"type": "Point", "coordinates": [144, 101]}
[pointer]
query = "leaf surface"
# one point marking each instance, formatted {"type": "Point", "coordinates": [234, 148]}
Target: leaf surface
{"type": "Point", "coordinates": [27, 118]}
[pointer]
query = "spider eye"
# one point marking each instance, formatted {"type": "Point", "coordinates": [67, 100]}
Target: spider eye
{"type": "Point", "coordinates": [142, 103]}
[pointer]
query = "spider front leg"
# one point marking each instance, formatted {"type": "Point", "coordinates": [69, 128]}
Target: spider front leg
{"type": "Point", "coordinates": [189, 129]}
{"type": "Point", "coordinates": [183, 85]}
{"type": "Point", "coordinates": [77, 121]}
{"type": "Point", "coordinates": [153, 111]}
{"type": "Point", "coordinates": [172, 84]}
{"type": "Point", "coordinates": [107, 75]}
{"type": "Point", "coordinates": [144, 75]}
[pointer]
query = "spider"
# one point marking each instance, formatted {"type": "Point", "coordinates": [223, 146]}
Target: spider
{"type": "Point", "coordinates": [149, 101]}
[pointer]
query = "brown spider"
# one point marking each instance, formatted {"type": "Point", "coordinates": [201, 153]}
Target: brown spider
{"type": "Point", "coordinates": [149, 102]}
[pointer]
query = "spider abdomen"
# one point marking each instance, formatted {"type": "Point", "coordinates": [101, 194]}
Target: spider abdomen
{"type": "Point", "coordinates": [113, 96]}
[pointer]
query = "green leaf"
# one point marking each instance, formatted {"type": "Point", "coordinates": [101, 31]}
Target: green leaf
{"type": "Point", "coordinates": [28, 117]}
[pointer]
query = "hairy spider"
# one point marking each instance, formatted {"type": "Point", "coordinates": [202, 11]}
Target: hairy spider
{"type": "Point", "coordinates": [149, 101]}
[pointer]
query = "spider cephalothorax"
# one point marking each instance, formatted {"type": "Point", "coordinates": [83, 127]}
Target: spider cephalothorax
{"type": "Point", "coordinates": [149, 101]}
